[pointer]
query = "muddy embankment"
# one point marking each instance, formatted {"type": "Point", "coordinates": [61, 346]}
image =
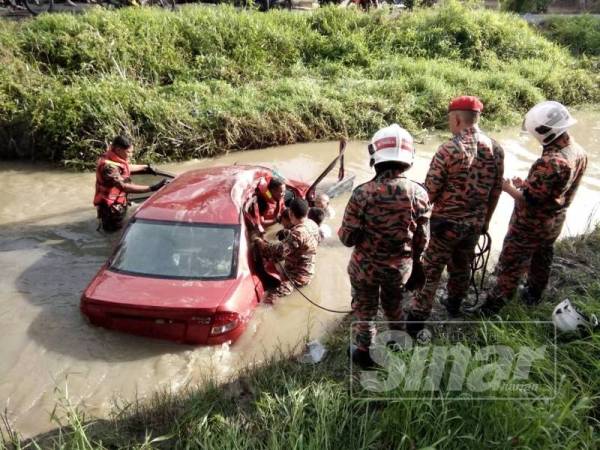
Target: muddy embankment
{"type": "Point", "coordinates": [202, 81]}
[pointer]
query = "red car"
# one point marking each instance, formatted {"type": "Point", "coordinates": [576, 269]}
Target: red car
{"type": "Point", "coordinates": [183, 270]}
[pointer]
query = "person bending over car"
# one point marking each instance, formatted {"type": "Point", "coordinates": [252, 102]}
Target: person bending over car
{"type": "Point", "coordinates": [113, 183]}
{"type": "Point", "coordinates": [268, 204]}
{"type": "Point", "coordinates": [298, 251]}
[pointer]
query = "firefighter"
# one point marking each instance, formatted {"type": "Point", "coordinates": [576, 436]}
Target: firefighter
{"type": "Point", "coordinates": [323, 201]}
{"type": "Point", "coordinates": [387, 222]}
{"type": "Point", "coordinates": [297, 250]}
{"type": "Point", "coordinates": [464, 183]}
{"type": "Point", "coordinates": [268, 203]}
{"type": "Point", "coordinates": [541, 203]}
{"type": "Point", "coordinates": [113, 183]}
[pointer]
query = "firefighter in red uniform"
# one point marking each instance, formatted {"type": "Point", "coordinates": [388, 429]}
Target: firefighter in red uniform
{"type": "Point", "coordinates": [464, 183]}
{"type": "Point", "coordinates": [268, 203]}
{"type": "Point", "coordinates": [387, 222]}
{"type": "Point", "coordinates": [541, 203]}
{"type": "Point", "coordinates": [113, 183]}
{"type": "Point", "coordinates": [296, 252]}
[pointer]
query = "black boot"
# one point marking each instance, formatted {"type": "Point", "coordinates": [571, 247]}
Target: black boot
{"type": "Point", "coordinates": [452, 305]}
{"type": "Point", "coordinates": [363, 359]}
{"type": "Point", "coordinates": [531, 297]}
{"type": "Point", "coordinates": [414, 324]}
{"type": "Point", "coordinates": [491, 306]}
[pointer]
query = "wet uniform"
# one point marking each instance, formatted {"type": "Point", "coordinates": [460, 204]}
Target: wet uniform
{"type": "Point", "coordinates": [537, 221]}
{"type": "Point", "coordinates": [464, 183]}
{"type": "Point", "coordinates": [298, 251]}
{"type": "Point", "coordinates": [387, 222]}
{"type": "Point", "coordinates": [269, 209]}
{"type": "Point", "coordinates": [112, 173]}
{"type": "Point", "coordinates": [264, 207]}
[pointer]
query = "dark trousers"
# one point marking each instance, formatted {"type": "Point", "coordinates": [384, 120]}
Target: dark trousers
{"type": "Point", "coordinates": [452, 245]}
{"type": "Point", "coordinates": [365, 304]}
{"type": "Point", "coordinates": [112, 217]}
{"type": "Point", "coordinates": [523, 254]}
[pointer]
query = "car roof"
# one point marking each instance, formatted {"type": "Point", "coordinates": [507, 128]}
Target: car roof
{"type": "Point", "coordinates": [213, 195]}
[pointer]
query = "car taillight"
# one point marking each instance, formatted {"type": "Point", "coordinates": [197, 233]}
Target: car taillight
{"type": "Point", "coordinates": [202, 320]}
{"type": "Point", "coordinates": [224, 322]}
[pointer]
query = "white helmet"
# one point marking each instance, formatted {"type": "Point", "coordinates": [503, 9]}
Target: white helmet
{"type": "Point", "coordinates": [567, 317]}
{"type": "Point", "coordinates": [547, 121]}
{"type": "Point", "coordinates": [392, 143]}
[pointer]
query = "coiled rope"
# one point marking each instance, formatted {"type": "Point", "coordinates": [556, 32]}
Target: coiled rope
{"type": "Point", "coordinates": [480, 263]}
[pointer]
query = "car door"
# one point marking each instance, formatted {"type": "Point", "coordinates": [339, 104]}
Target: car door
{"type": "Point", "coordinates": [344, 181]}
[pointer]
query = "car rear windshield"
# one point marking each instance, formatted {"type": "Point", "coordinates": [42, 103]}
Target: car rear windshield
{"type": "Point", "coordinates": [177, 250]}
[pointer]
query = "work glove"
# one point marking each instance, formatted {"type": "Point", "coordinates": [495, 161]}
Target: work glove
{"type": "Point", "coordinates": [150, 169]}
{"type": "Point", "coordinates": [157, 186]}
{"type": "Point", "coordinates": [417, 278]}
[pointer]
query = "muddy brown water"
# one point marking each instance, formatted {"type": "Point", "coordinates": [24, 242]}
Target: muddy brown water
{"type": "Point", "coordinates": [49, 250]}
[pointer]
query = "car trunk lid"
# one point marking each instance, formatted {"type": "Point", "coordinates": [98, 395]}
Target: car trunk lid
{"type": "Point", "coordinates": [147, 293]}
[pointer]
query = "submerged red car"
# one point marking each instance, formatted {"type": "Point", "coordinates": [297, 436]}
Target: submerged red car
{"type": "Point", "coordinates": [183, 270]}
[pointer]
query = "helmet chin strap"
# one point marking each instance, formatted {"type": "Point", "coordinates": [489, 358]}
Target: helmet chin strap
{"type": "Point", "coordinates": [371, 149]}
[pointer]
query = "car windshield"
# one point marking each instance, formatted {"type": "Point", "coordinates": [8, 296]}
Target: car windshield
{"type": "Point", "coordinates": [177, 250]}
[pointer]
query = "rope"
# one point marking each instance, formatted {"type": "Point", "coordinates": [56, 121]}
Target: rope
{"type": "Point", "coordinates": [480, 263]}
{"type": "Point", "coordinates": [164, 173]}
{"type": "Point", "coordinates": [307, 298]}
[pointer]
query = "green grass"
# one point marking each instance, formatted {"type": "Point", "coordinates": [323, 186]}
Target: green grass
{"type": "Point", "coordinates": [285, 404]}
{"type": "Point", "coordinates": [202, 81]}
{"type": "Point", "coordinates": [580, 34]}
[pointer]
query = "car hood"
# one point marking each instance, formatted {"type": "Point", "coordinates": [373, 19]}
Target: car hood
{"type": "Point", "coordinates": [152, 293]}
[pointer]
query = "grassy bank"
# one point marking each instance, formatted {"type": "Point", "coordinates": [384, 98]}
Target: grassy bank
{"type": "Point", "coordinates": [285, 404]}
{"type": "Point", "coordinates": [579, 34]}
{"type": "Point", "coordinates": [202, 81]}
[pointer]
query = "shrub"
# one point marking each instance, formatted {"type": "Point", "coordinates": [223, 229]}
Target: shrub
{"type": "Point", "coordinates": [200, 81]}
{"type": "Point", "coordinates": [525, 6]}
{"type": "Point", "coordinates": [581, 34]}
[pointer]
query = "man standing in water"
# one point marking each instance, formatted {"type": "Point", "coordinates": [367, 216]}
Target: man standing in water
{"type": "Point", "coordinates": [541, 203]}
{"type": "Point", "coordinates": [113, 183]}
{"type": "Point", "coordinates": [464, 183]}
{"type": "Point", "coordinates": [298, 250]}
{"type": "Point", "coordinates": [387, 222]}
{"type": "Point", "coordinates": [323, 201]}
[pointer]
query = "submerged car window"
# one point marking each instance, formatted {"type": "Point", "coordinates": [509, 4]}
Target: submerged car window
{"type": "Point", "coordinates": [176, 250]}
